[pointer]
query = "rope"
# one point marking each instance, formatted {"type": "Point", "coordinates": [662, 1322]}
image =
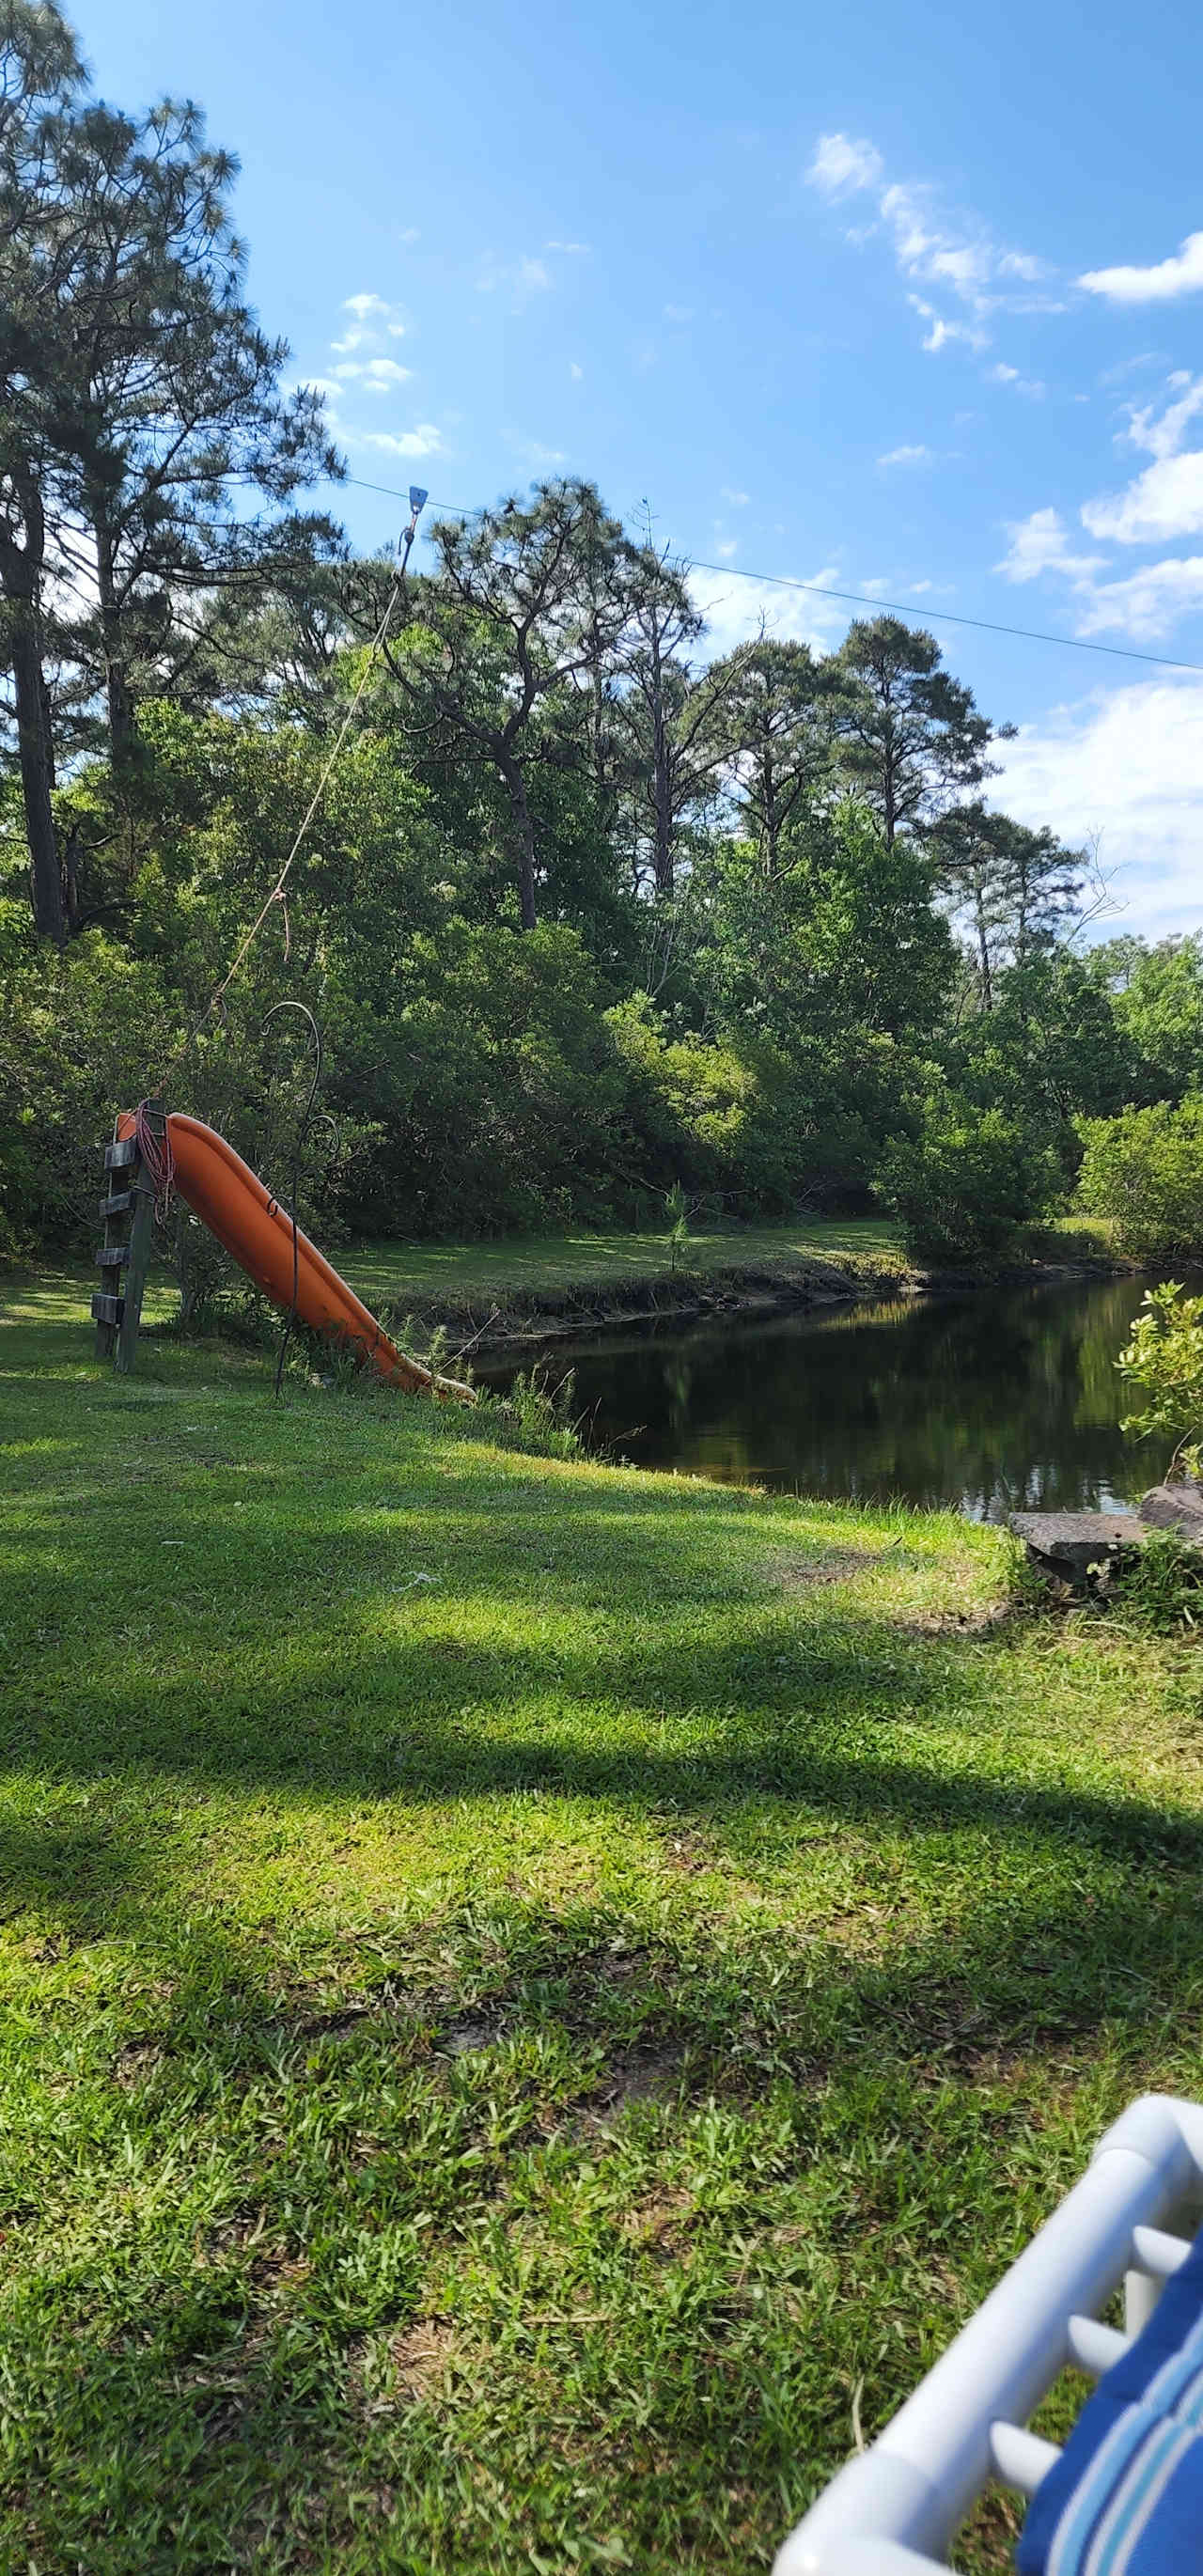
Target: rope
{"type": "Point", "coordinates": [298, 1146]}
{"type": "Point", "coordinates": [156, 1156]}
{"type": "Point", "coordinates": [276, 895]}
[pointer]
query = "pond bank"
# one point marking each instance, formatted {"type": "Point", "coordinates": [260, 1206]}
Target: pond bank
{"type": "Point", "coordinates": [519, 1316]}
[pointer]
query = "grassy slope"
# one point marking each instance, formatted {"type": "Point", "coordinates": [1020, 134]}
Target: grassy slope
{"type": "Point", "coordinates": [523, 1986]}
{"type": "Point", "coordinates": [549, 1264]}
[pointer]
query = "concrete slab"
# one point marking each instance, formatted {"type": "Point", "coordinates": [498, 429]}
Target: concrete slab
{"type": "Point", "coordinates": [1067, 1544]}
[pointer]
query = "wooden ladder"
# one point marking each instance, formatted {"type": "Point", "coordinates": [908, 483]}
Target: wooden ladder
{"type": "Point", "coordinates": [128, 1208]}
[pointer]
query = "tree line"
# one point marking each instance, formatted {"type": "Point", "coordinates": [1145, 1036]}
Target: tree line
{"type": "Point", "coordinates": [587, 912]}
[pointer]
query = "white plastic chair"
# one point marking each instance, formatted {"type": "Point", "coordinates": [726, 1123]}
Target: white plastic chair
{"type": "Point", "coordinates": [896, 2509]}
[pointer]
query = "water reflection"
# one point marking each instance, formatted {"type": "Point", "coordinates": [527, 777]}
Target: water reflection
{"type": "Point", "coordinates": [995, 1402]}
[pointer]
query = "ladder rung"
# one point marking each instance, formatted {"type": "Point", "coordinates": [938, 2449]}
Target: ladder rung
{"type": "Point", "coordinates": [118, 1157]}
{"type": "Point", "coordinates": [1155, 2252]}
{"type": "Point", "coordinates": [1021, 2459]}
{"type": "Point", "coordinates": [118, 1204]}
{"type": "Point", "coordinates": [107, 1310]}
{"type": "Point", "coordinates": [1094, 2347]}
{"type": "Point", "coordinates": [112, 1256]}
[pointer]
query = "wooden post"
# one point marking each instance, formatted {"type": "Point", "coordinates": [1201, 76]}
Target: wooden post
{"type": "Point", "coordinates": [141, 1231]}
{"type": "Point", "coordinates": [117, 1208]}
{"type": "Point", "coordinates": [128, 1210]}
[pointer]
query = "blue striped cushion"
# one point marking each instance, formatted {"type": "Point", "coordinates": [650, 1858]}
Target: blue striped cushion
{"type": "Point", "coordinates": [1126, 2495]}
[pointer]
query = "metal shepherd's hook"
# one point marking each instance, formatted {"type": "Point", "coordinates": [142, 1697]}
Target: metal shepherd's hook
{"type": "Point", "coordinates": [302, 1131]}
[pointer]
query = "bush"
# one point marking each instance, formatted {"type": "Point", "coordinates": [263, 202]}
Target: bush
{"type": "Point", "coordinates": [1159, 1589]}
{"type": "Point", "coordinates": [967, 1182]}
{"type": "Point", "coordinates": [1165, 1357]}
{"type": "Point", "coordinates": [1144, 1170]}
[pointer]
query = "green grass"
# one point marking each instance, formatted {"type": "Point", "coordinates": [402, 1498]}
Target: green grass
{"type": "Point", "coordinates": [426, 1272]}
{"type": "Point", "coordinates": [525, 1987]}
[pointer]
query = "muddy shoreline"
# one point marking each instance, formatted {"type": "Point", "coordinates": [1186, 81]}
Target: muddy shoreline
{"type": "Point", "coordinates": [530, 1318]}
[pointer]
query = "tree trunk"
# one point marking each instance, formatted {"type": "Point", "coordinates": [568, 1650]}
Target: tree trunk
{"type": "Point", "coordinates": [33, 739]}
{"type": "Point", "coordinates": [769, 808]}
{"type": "Point", "coordinates": [983, 951]}
{"type": "Point", "coordinates": [116, 679]}
{"type": "Point", "coordinates": [524, 838]}
{"type": "Point", "coordinates": [889, 805]}
{"type": "Point", "coordinates": [665, 854]}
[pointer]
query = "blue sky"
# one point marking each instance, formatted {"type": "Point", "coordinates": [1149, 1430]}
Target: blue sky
{"type": "Point", "coordinates": [903, 301]}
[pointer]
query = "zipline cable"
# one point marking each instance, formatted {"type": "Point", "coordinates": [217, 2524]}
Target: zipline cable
{"type": "Point", "coordinates": [298, 1144]}
{"type": "Point", "coordinates": [277, 892]}
{"type": "Point", "coordinates": [864, 599]}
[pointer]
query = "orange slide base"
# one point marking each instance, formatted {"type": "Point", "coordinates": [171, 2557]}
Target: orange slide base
{"type": "Point", "coordinates": [228, 1197]}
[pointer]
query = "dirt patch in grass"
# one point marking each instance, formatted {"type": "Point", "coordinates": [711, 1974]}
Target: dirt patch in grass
{"type": "Point", "coordinates": [942, 1620]}
{"type": "Point", "coordinates": [423, 2356]}
{"type": "Point", "coordinates": [827, 1565]}
{"type": "Point", "coordinates": [650, 2071]}
{"type": "Point", "coordinates": [659, 2224]}
{"type": "Point", "coordinates": [135, 2061]}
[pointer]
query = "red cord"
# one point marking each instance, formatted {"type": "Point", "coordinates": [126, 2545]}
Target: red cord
{"type": "Point", "coordinates": [156, 1156]}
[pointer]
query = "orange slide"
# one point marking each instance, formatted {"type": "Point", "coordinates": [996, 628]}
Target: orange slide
{"type": "Point", "coordinates": [227, 1197]}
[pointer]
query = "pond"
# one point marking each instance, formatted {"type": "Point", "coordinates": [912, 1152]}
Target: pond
{"type": "Point", "coordinates": [994, 1401]}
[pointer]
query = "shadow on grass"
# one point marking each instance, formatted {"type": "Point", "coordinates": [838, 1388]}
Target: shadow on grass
{"type": "Point", "coordinates": [502, 2083]}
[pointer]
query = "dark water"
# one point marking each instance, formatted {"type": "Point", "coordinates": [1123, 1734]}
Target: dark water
{"type": "Point", "coordinates": [993, 1402]}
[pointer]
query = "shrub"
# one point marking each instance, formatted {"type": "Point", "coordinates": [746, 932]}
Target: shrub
{"type": "Point", "coordinates": [1159, 1589]}
{"type": "Point", "coordinates": [1144, 1170]}
{"type": "Point", "coordinates": [1165, 1357]}
{"type": "Point", "coordinates": [967, 1182]}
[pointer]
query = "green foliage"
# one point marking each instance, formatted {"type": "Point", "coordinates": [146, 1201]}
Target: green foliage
{"type": "Point", "coordinates": [967, 1182]}
{"type": "Point", "coordinates": [583, 914]}
{"type": "Point", "coordinates": [1158, 1589]}
{"type": "Point", "coordinates": [1156, 997]}
{"type": "Point", "coordinates": [676, 1209]}
{"type": "Point", "coordinates": [1165, 1357]}
{"type": "Point", "coordinates": [1144, 1170]}
{"type": "Point", "coordinates": [535, 1417]}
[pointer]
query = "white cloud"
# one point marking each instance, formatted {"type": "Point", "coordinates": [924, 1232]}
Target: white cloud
{"type": "Point", "coordinates": [373, 320]}
{"type": "Point", "coordinates": [1148, 604]}
{"type": "Point", "coordinates": [954, 259]}
{"type": "Point", "coordinates": [1021, 263]}
{"type": "Point", "coordinates": [727, 551]}
{"type": "Point", "coordinates": [518, 278]}
{"type": "Point", "coordinates": [411, 234]}
{"type": "Point", "coordinates": [572, 249]}
{"type": "Point", "coordinates": [374, 375]}
{"type": "Point", "coordinates": [738, 500]}
{"type": "Point", "coordinates": [1162, 432]}
{"type": "Point", "coordinates": [1165, 501]}
{"type": "Point", "coordinates": [1182, 275]}
{"type": "Point", "coordinates": [734, 609]}
{"type": "Point", "coordinates": [678, 312]}
{"type": "Point", "coordinates": [574, 371]}
{"type": "Point", "coordinates": [1039, 544]}
{"type": "Point", "coordinates": [1004, 375]}
{"type": "Point", "coordinates": [941, 333]}
{"type": "Point", "coordinates": [841, 165]}
{"type": "Point", "coordinates": [1125, 762]}
{"type": "Point", "coordinates": [423, 440]}
{"type": "Point", "coordinates": [908, 456]}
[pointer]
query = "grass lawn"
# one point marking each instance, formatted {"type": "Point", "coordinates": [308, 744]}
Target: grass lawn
{"type": "Point", "coordinates": [527, 1989]}
{"type": "Point", "coordinates": [425, 1272]}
